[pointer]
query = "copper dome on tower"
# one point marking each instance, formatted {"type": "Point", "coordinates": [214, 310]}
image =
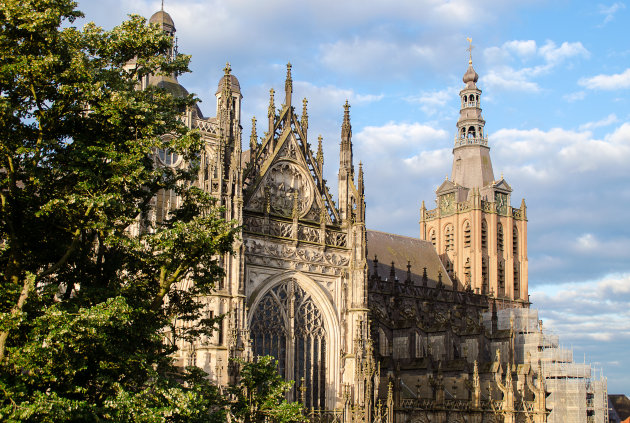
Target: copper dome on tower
{"type": "Point", "coordinates": [234, 84]}
{"type": "Point", "coordinates": [470, 76]}
{"type": "Point", "coordinates": [164, 20]}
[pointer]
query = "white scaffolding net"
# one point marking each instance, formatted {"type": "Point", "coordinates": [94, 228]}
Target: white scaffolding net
{"type": "Point", "coordinates": [575, 394]}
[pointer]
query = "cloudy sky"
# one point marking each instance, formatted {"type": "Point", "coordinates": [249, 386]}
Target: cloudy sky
{"type": "Point", "coordinates": [555, 77]}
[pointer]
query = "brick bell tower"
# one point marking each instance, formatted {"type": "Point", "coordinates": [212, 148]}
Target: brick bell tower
{"type": "Point", "coordinates": [480, 237]}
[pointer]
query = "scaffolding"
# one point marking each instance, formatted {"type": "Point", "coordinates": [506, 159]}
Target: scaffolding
{"type": "Point", "coordinates": [575, 394]}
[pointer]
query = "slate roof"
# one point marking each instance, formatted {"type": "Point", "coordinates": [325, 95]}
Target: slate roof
{"type": "Point", "coordinates": [402, 250]}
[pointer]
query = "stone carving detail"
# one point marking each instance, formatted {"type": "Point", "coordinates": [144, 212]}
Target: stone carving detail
{"type": "Point", "coordinates": [253, 224]}
{"type": "Point", "coordinates": [282, 180]}
{"type": "Point", "coordinates": [288, 151]}
{"type": "Point", "coordinates": [282, 230]}
{"type": "Point", "coordinates": [337, 239]}
{"type": "Point", "coordinates": [307, 233]}
{"type": "Point", "coordinates": [204, 125]}
{"type": "Point", "coordinates": [286, 257]}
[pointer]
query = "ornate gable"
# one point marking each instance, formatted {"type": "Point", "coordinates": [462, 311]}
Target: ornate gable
{"type": "Point", "coordinates": [283, 177]}
{"type": "Point", "coordinates": [502, 186]}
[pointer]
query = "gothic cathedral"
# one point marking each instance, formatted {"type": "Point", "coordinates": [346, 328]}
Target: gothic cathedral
{"type": "Point", "coordinates": [371, 326]}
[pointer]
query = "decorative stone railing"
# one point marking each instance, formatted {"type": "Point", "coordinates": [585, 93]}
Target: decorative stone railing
{"type": "Point", "coordinates": [204, 126]}
{"type": "Point", "coordinates": [471, 141]}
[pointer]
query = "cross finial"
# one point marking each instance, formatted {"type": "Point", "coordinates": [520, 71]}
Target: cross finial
{"type": "Point", "coordinates": [227, 69]}
{"type": "Point", "coordinates": [162, 5]}
{"type": "Point", "coordinates": [469, 50]}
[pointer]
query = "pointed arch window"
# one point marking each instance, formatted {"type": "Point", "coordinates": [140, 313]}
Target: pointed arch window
{"type": "Point", "coordinates": [467, 272]}
{"type": "Point", "coordinates": [501, 278]}
{"type": "Point", "coordinates": [467, 235]}
{"type": "Point", "coordinates": [449, 237]}
{"type": "Point", "coordinates": [285, 313]}
{"type": "Point", "coordinates": [433, 238]}
{"type": "Point", "coordinates": [484, 235]}
{"type": "Point", "coordinates": [515, 241]}
{"type": "Point", "coordinates": [517, 293]}
{"type": "Point", "coordinates": [484, 275]}
{"type": "Point", "coordinates": [499, 237]}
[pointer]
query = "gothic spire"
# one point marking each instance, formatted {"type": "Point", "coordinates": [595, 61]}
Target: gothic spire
{"type": "Point", "coordinates": [288, 87]}
{"type": "Point", "coordinates": [304, 121]}
{"type": "Point", "coordinates": [345, 155]}
{"type": "Point", "coordinates": [253, 139]}
{"type": "Point", "coordinates": [271, 111]}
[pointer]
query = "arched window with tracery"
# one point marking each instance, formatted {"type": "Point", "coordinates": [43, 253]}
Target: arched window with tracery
{"type": "Point", "coordinates": [288, 312]}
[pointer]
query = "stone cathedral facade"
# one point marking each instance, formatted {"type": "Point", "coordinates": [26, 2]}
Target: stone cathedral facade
{"type": "Point", "coordinates": [371, 326]}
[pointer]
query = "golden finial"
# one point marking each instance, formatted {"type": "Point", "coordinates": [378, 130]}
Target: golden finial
{"type": "Point", "coordinates": [469, 49]}
{"type": "Point", "coordinates": [227, 69]}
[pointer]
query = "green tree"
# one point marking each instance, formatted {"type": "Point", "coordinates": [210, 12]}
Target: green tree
{"type": "Point", "coordinates": [84, 305]}
{"type": "Point", "coordinates": [260, 394]}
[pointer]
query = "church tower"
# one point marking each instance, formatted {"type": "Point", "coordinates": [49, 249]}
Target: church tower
{"type": "Point", "coordinates": [480, 237]}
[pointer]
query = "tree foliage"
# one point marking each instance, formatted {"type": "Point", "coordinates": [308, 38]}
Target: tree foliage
{"type": "Point", "coordinates": [85, 304]}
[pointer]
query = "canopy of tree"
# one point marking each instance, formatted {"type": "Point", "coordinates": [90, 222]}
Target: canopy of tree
{"type": "Point", "coordinates": [84, 304]}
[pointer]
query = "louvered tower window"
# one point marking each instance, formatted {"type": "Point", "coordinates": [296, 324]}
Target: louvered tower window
{"type": "Point", "coordinates": [515, 241]}
{"type": "Point", "coordinates": [467, 235]}
{"type": "Point", "coordinates": [449, 237]}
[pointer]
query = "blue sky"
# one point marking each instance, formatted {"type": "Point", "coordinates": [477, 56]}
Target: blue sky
{"type": "Point", "coordinates": [555, 77]}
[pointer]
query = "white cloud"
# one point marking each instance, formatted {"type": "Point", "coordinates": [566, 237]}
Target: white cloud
{"type": "Point", "coordinates": [522, 48]}
{"type": "Point", "coordinates": [554, 55]}
{"type": "Point", "coordinates": [398, 137]}
{"type": "Point", "coordinates": [378, 56]}
{"type": "Point", "coordinates": [608, 120]}
{"type": "Point", "coordinates": [560, 154]}
{"type": "Point", "coordinates": [587, 242]}
{"type": "Point", "coordinates": [609, 11]}
{"type": "Point", "coordinates": [430, 101]}
{"type": "Point", "coordinates": [607, 82]}
{"type": "Point", "coordinates": [505, 76]}
{"type": "Point", "coordinates": [576, 96]}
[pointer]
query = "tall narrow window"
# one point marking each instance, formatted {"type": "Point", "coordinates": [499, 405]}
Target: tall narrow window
{"type": "Point", "coordinates": [500, 237]}
{"type": "Point", "coordinates": [449, 237]}
{"type": "Point", "coordinates": [501, 278]}
{"type": "Point", "coordinates": [467, 272]}
{"type": "Point", "coordinates": [516, 281]}
{"type": "Point", "coordinates": [515, 241]}
{"type": "Point", "coordinates": [432, 237]}
{"type": "Point", "coordinates": [484, 235]}
{"type": "Point", "coordinates": [467, 235]}
{"type": "Point", "coordinates": [484, 275]}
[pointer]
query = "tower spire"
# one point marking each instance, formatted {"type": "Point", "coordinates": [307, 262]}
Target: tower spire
{"type": "Point", "coordinates": [472, 167]}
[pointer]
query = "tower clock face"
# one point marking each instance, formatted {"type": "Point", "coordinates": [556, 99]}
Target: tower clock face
{"type": "Point", "coordinates": [500, 200]}
{"type": "Point", "coordinates": [447, 202]}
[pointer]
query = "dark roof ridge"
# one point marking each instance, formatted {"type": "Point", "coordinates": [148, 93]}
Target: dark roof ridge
{"type": "Point", "coordinates": [402, 236]}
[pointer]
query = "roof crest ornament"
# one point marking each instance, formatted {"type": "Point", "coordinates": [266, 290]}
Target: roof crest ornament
{"type": "Point", "coordinates": [469, 50]}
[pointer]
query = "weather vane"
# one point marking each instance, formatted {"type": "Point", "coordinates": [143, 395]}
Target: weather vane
{"type": "Point", "coordinates": [469, 50]}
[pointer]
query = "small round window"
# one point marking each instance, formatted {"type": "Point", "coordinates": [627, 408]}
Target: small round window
{"type": "Point", "coordinates": [168, 158]}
